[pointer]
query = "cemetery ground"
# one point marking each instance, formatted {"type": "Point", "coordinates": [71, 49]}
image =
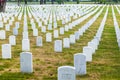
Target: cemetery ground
{"type": "Point", "coordinates": [104, 66]}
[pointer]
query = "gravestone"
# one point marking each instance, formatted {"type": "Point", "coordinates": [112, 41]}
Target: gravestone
{"type": "Point", "coordinates": [48, 37]}
{"type": "Point", "coordinates": [12, 40]}
{"type": "Point", "coordinates": [35, 32]}
{"type": "Point", "coordinates": [72, 39]}
{"type": "Point", "coordinates": [2, 34]}
{"type": "Point", "coordinates": [40, 24]}
{"type": "Point", "coordinates": [6, 51]}
{"type": "Point", "coordinates": [1, 24]}
{"type": "Point", "coordinates": [33, 26]}
{"type": "Point", "coordinates": [66, 28]}
{"type": "Point", "coordinates": [26, 64]}
{"type": "Point", "coordinates": [58, 46]}
{"type": "Point", "coordinates": [87, 51]}
{"type": "Point", "coordinates": [62, 30]}
{"type": "Point", "coordinates": [25, 35]}
{"type": "Point", "coordinates": [5, 20]}
{"type": "Point", "coordinates": [15, 31]}
{"type": "Point", "coordinates": [10, 22]}
{"type": "Point", "coordinates": [56, 34]}
{"type": "Point", "coordinates": [55, 25]}
{"type": "Point", "coordinates": [80, 64]}
{"type": "Point", "coordinates": [43, 29]}
{"type": "Point", "coordinates": [63, 21]}
{"type": "Point", "coordinates": [25, 45]}
{"type": "Point", "coordinates": [66, 73]}
{"type": "Point", "coordinates": [70, 26]}
{"type": "Point", "coordinates": [39, 41]}
{"type": "Point", "coordinates": [77, 35]}
{"type": "Point", "coordinates": [7, 27]}
{"type": "Point", "coordinates": [17, 25]}
{"type": "Point", "coordinates": [66, 43]}
{"type": "Point", "coordinates": [49, 26]}
{"type": "Point", "coordinates": [93, 45]}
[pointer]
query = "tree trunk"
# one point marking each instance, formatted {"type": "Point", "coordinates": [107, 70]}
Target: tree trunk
{"type": "Point", "coordinates": [18, 2]}
{"type": "Point", "coordinates": [44, 1]}
{"type": "Point", "coordinates": [2, 5]}
{"type": "Point", "coordinates": [41, 1]}
{"type": "Point", "coordinates": [25, 1]}
{"type": "Point", "coordinates": [52, 1]}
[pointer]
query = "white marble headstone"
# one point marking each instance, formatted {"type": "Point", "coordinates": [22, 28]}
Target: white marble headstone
{"type": "Point", "coordinates": [62, 30]}
{"type": "Point", "coordinates": [25, 45]}
{"type": "Point", "coordinates": [55, 25]}
{"type": "Point", "coordinates": [48, 37]}
{"type": "Point", "coordinates": [1, 24]}
{"type": "Point", "coordinates": [66, 27]}
{"type": "Point", "coordinates": [80, 64]}
{"type": "Point", "coordinates": [26, 64]}
{"type": "Point", "coordinates": [6, 51]}
{"type": "Point", "coordinates": [66, 42]}
{"type": "Point", "coordinates": [66, 73]}
{"type": "Point", "coordinates": [56, 34]}
{"type": "Point", "coordinates": [72, 39]}
{"type": "Point", "coordinates": [2, 34]}
{"type": "Point", "coordinates": [17, 25]}
{"type": "Point", "coordinates": [43, 29]}
{"type": "Point", "coordinates": [35, 32]}
{"type": "Point", "coordinates": [49, 26]}
{"type": "Point", "coordinates": [25, 35]}
{"type": "Point", "coordinates": [39, 41]}
{"type": "Point", "coordinates": [77, 35]}
{"type": "Point", "coordinates": [12, 40]}
{"type": "Point", "coordinates": [7, 27]}
{"type": "Point", "coordinates": [40, 24]}
{"type": "Point", "coordinates": [58, 46]}
{"type": "Point", "coordinates": [87, 51]}
{"type": "Point", "coordinates": [15, 31]}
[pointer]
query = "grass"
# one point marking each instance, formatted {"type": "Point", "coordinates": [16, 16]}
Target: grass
{"type": "Point", "coordinates": [105, 64]}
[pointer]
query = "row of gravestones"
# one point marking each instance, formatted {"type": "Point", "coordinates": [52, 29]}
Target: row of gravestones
{"type": "Point", "coordinates": [74, 37]}
{"type": "Point", "coordinates": [48, 35]}
{"type": "Point", "coordinates": [50, 21]}
{"type": "Point", "coordinates": [27, 66]}
{"type": "Point", "coordinates": [11, 22]}
{"type": "Point", "coordinates": [43, 29]}
{"type": "Point", "coordinates": [117, 29]}
{"type": "Point", "coordinates": [26, 42]}
{"type": "Point", "coordinates": [117, 8]}
{"type": "Point", "coordinates": [66, 41]}
{"type": "Point", "coordinates": [69, 72]}
{"type": "Point", "coordinates": [50, 26]}
{"type": "Point", "coordinates": [93, 44]}
{"type": "Point", "coordinates": [64, 73]}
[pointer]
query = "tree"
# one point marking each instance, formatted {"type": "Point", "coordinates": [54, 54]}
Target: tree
{"type": "Point", "coordinates": [18, 2]}
{"type": "Point", "coordinates": [25, 1]}
{"type": "Point", "coordinates": [44, 1]}
{"type": "Point", "coordinates": [77, 1]}
{"type": "Point", "coordinates": [2, 5]}
{"type": "Point", "coordinates": [60, 1]}
{"type": "Point", "coordinates": [52, 1]}
{"type": "Point", "coordinates": [41, 1]}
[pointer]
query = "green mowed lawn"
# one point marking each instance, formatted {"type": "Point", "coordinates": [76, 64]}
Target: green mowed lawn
{"type": "Point", "coordinates": [105, 64]}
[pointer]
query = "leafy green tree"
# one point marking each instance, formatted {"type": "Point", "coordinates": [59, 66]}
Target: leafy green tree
{"type": "Point", "coordinates": [78, 1]}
